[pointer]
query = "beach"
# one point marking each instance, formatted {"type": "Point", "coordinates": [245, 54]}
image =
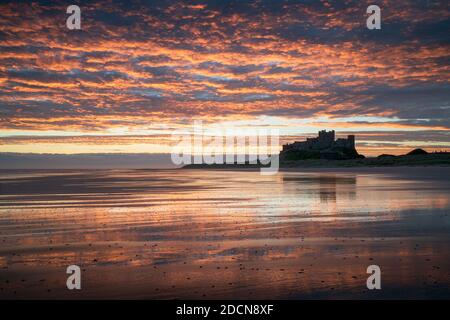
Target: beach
{"type": "Point", "coordinates": [224, 234]}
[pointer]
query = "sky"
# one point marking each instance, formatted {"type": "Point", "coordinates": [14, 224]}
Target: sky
{"type": "Point", "coordinates": [138, 71]}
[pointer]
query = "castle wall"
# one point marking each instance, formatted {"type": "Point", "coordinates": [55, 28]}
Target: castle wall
{"type": "Point", "coordinates": [325, 140]}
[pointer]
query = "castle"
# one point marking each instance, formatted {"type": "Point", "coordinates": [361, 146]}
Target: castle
{"type": "Point", "coordinates": [322, 147]}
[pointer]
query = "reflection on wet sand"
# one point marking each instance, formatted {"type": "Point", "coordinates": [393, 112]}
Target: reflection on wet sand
{"type": "Point", "coordinates": [329, 185]}
{"type": "Point", "coordinates": [224, 234]}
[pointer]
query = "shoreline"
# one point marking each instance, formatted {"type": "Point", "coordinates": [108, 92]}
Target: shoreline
{"type": "Point", "coordinates": [242, 168]}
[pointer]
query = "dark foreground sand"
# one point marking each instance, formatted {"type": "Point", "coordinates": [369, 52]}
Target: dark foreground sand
{"type": "Point", "coordinates": [226, 234]}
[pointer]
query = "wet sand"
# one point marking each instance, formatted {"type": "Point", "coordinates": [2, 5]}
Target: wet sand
{"type": "Point", "coordinates": [164, 234]}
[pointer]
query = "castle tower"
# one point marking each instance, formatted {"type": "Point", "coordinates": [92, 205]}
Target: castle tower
{"type": "Point", "coordinates": [326, 138]}
{"type": "Point", "coordinates": [351, 140]}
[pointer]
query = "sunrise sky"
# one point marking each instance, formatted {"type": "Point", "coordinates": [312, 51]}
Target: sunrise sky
{"type": "Point", "coordinates": [138, 70]}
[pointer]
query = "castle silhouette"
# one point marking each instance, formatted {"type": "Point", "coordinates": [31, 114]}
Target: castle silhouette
{"type": "Point", "coordinates": [322, 147]}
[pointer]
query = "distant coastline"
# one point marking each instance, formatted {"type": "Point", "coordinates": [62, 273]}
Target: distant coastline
{"type": "Point", "coordinates": [325, 151]}
{"type": "Point", "coordinates": [411, 159]}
